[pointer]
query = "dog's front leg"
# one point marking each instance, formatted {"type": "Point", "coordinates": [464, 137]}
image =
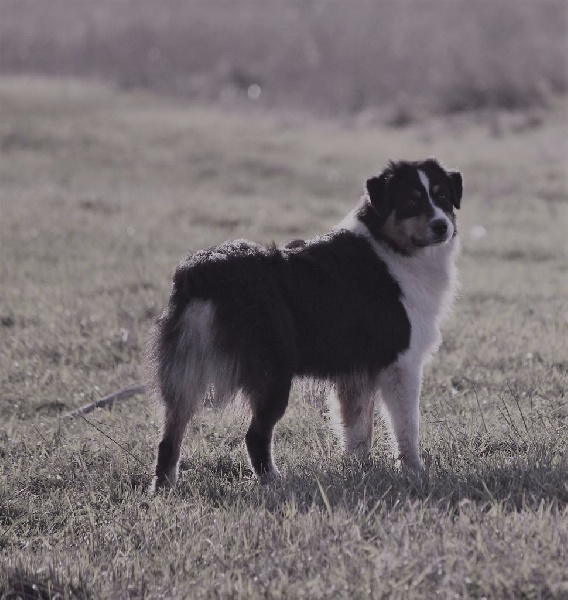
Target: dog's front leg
{"type": "Point", "coordinates": [351, 404]}
{"type": "Point", "coordinates": [400, 387]}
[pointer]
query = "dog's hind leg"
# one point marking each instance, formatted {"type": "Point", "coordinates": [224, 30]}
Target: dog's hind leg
{"type": "Point", "coordinates": [180, 404]}
{"type": "Point", "coordinates": [183, 352]}
{"type": "Point", "coordinates": [268, 403]}
{"type": "Point", "coordinates": [400, 387]}
{"type": "Point", "coordinates": [353, 410]}
{"type": "Point", "coordinates": [175, 423]}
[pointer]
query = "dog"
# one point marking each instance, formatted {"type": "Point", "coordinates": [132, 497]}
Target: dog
{"type": "Point", "coordinates": [359, 307]}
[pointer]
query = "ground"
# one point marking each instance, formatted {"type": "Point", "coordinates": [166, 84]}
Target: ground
{"type": "Point", "coordinates": [101, 193]}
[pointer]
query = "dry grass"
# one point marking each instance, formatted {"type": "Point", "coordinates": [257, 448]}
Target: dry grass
{"type": "Point", "coordinates": [101, 193]}
{"type": "Point", "coordinates": [327, 57]}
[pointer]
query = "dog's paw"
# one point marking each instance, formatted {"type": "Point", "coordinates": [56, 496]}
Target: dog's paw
{"type": "Point", "coordinates": [270, 476]}
{"type": "Point", "coordinates": [408, 464]}
{"type": "Point", "coordinates": [160, 484]}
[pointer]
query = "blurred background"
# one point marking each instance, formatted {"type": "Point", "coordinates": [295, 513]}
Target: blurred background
{"type": "Point", "coordinates": [383, 59]}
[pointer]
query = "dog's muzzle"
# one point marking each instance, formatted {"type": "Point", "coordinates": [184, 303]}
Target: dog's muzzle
{"type": "Point", "coordinates": [440, 230]}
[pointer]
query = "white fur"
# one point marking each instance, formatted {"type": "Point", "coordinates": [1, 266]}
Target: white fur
{"type": "Point", "coordinates": [201, 368]}
{"type": "Point", "coordinates": [428, 283]}
{"type": "Point", "coordinates": [438, 212]}
{"type": "Point", "coordinates": [353, 224]}
{"type": "Point", "coordinates": [334, 414]}
{"type": "Point", "coordinates": [427, 280]}
{"type": "Point", "coordinates": [400, 386]}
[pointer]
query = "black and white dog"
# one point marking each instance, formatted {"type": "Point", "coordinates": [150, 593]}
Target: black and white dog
{"type": "Point", "coordinates": [359, 307]}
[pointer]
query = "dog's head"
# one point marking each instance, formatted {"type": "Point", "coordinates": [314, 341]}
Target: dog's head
{"type": "Point", "coordinates": [415, 203]}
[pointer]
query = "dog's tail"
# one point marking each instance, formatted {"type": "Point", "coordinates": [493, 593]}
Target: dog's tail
{"type": "Point", "coordinates": [186, 362]}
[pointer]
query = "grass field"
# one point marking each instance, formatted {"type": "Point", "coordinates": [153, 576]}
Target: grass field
{"type": "Point", "coordinates": [101, 193]}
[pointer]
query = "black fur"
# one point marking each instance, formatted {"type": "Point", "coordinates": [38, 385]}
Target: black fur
{"type": "Point", "coordinates": [321, 309]}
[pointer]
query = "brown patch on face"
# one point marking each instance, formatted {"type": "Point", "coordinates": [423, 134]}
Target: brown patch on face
{"type": "Point", "coordinates": [408, 234]}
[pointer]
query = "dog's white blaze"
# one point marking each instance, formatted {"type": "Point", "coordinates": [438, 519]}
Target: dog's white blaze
{"type": "Point", "coordinates": [438, 212]}
{"type": "Point", "coordinates": [426, 183]}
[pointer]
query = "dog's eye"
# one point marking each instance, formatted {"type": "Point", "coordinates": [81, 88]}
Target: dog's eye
{"type": "Point", "coordinates": [414, 198]}
{"type": "Point", "coordinates": [440, 194]}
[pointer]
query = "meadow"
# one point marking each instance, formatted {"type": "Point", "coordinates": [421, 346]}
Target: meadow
{"type": "Point", "coordinates": [387, 60]}
{"type": "Point", "coordinates": [102, 192]}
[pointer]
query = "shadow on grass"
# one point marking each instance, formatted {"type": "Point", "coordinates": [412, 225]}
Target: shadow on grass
{"type": "Point", "coordinates": [515, 484]}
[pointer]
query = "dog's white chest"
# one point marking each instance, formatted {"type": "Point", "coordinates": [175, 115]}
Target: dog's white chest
{"type": "Point", "coordinates": [427, 281]}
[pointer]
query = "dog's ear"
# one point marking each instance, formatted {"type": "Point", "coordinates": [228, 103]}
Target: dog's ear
{"type": "Point", "coordinates": [378, 194]}
{"type": "Point", "coordinates": [457, 187]}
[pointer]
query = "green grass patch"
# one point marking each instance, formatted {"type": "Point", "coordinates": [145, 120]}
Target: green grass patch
{"type": "Point", "coordinates": [100, 195]}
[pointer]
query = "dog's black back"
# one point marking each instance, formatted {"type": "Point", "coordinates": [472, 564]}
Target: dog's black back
{"type": "Point", "coordinates": [325, 308]}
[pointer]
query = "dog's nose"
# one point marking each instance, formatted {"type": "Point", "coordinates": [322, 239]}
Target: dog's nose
{"type": "Point", "coordinates": [439, 227]}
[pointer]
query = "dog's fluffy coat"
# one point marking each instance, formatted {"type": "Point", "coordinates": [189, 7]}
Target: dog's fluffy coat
{"type": "Point", "coordinates": [359, 307]}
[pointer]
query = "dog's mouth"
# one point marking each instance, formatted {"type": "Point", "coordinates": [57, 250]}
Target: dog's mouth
{"type": "Point", "coordinates": [435, 240]}
{"type": "Point", "coordinates": [440, 239]}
